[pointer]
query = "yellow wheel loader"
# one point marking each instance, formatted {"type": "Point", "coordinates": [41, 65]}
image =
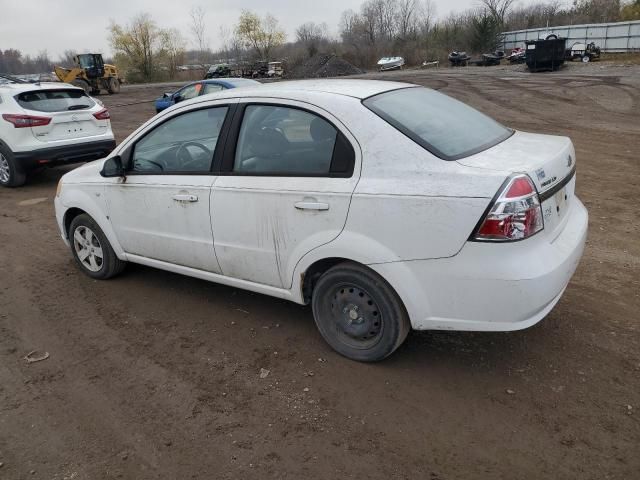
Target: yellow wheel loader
{"type": "Point", "coordinates": [91, 74]}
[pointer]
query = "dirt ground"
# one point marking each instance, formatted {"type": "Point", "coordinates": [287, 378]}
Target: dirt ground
{"type": "Point", "coordinates": [156, 376]}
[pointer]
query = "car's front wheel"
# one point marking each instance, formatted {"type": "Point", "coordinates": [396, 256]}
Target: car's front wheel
{"type": "Point", "coordinates": [91, 249]}
{"type": "Point", "coordinates": [358, 313]}
{"type": "Point", "coordinates": [11, 175]}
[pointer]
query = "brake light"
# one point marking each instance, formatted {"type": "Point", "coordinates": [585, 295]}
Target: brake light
{"type": "Point", "coordinates": [26, 121]}
{"type": "Point", "coordinates": [102, 114]}
{"type": "Point", "coordinates": [515, 215]}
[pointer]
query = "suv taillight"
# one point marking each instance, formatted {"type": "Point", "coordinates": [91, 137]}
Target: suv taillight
{"type": "Point", "coordinates": [102, 114]}
{"type": "Point", "coordinates": [515, 215]}
{"type": "Point", "coordinates": [25, 121]}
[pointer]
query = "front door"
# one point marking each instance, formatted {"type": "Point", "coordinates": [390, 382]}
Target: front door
{"type": "Point", "coordinates": [162, 210]}
{"type": "Point", "coordinates": [287, 177]}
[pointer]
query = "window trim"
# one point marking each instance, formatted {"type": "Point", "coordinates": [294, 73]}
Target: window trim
{"type": "Point", "coordinates": [426, 145]}
{"type": "Point", "coordinates": [227, 161]}
{"type": "Point", "coordinates": [127, 154]}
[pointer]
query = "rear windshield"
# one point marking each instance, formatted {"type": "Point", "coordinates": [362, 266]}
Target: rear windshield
{"type": "Point", "coordinates": [444, 126]}
{"type": "Point", "coordinates": [55, 100]}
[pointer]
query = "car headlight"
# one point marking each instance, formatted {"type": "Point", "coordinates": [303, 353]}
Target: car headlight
{"type": "Point", "coordinates": [59, 188]}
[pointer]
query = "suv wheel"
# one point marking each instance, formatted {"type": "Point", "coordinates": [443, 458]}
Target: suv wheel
{"type": "Point", "coordinates": [358, 313]}
{"type": "Point", "coordinates": [92, 250]}
{"type": "Point", "coordinates": [10, 174]}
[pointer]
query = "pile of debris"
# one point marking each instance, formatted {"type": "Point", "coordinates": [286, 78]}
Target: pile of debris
{"type": "Point", "coordinates": [325, 65]}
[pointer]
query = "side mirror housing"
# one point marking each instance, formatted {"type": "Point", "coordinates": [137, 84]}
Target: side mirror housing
{"type": "Point", "coordinates": [112, 167]}
{"type": "Point", "coordinates": [177, 98]}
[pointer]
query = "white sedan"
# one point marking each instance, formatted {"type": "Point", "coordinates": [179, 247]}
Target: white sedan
{"type": "Point", "coordinates": [386, 206]}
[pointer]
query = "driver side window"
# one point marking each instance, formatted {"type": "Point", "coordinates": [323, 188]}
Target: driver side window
{"type": "Point", "coordinates": [190, 91]}
{"type": "Point", "coordinates": [183, 144]}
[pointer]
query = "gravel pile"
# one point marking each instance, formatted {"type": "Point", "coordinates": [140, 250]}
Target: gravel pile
{"type": "Point", "coordinates": [325, 65]}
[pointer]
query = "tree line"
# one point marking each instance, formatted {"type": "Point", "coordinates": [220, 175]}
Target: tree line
{"type": "Point", "coordinates": [145, 51]}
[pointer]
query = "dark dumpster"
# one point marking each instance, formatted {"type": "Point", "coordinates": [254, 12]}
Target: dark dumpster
{"type": "Point", "coordinates": [546, 54]}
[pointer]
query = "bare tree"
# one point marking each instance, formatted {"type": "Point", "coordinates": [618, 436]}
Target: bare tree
{"type": "Point", "coordinates": [231, 44]}
{"type": "Point", "coordinates": [312, 35]}
{"type": "Point", "coordinates": [198, 27]}
{"type": "Point", "coordinates": [67, 58]}
{"type": "Point", "coordinates": [498, 8]}
{"type": "Point", "coordinates": [172, 49]}
{"type": "Point", "coordinates": [407, 18]}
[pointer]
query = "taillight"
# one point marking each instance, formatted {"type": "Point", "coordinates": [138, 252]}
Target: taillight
{"type": "Point", "coordinates": [516, 213]}
{"type": "Point", "coordinates": [102, 114]}
{"type": "Point", "coordinates": [26, 121]}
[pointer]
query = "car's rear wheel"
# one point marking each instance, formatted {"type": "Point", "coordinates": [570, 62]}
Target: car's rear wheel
{"type": "Point", "coordinates": [358, 313]}
{"type": "Point", "coordinates": [91, 249]}
{"type": "Point", "coordinates": [11, 175]}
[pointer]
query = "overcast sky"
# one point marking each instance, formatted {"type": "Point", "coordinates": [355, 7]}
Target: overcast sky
{"type": "Point", "coordinates": [57, 25]}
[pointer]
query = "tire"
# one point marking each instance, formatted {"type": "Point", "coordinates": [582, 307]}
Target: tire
{"type": "Point", "coordinates": [86, 237]}
{"type": "Point", "coordinates": [11, 173]}
{"type": "Point", "coordinates": [113, 85]}
{"type": "Point", "coordinates": [586, 59]}
{"type": "Point", "coordinates": [358, 313]}
{"type": "Point", "coordinates": [83, 84]}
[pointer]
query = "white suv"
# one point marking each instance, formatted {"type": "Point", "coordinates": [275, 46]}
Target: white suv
{"type": "Point", "coordinates": [47, 124]}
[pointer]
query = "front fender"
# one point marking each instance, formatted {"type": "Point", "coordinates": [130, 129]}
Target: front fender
{"type": "Point", "coordinates": [91, 200]}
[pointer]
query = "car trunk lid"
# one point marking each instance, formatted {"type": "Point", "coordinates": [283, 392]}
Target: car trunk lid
{"type": "Point", "coordinates": [68, 125]}
{"type": "Point", "coordinates": [548, 160]}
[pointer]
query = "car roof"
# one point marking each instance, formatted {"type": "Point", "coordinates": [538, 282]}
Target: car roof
{"type": "Point", "coordinates": [30, 87]}
{"type": "Point", "coordinates": [355, 88]}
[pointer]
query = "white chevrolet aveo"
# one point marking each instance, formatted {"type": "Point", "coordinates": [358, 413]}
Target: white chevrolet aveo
{"type": "Point", "coordinates": [386, 206]}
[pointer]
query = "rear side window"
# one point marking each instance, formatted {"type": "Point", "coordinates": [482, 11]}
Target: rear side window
{"type": "Point", "coordinates": [446, 127]}
{"type": "Point", "coordinates": [284, 141]}
{"type": "Point", "coordinates": [55, 100]}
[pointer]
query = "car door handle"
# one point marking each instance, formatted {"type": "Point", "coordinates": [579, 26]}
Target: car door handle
{"type": "Point", "coordinates": [185, 198]}
{"type": "Point", "coordinates": [307, 205]}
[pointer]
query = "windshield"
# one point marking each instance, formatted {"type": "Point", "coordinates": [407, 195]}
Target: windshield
{"type": "Point", "coordinates": [444, 126]}
{"type": "Point", "coordinates": [55, 100]}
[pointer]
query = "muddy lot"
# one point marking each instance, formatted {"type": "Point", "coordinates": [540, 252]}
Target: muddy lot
{"type": "Point", "coordinates": [156, 376]}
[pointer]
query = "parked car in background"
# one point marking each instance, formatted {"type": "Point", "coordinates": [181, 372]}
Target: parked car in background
{"type": "Point", "coordinates": [48, 124]}
{"type": "Point", "coordinates": [201, 87]}
{"type": "Point", "coordinates": [384, 205]}
{"type": "Point", "coordinates": [218, 70]}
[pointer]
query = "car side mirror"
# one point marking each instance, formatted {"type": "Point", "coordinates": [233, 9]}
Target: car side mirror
{"type": "Point", "coordinates": [112, 167]}
{"type": "Point", "coordinates": [177, 98]}
{"type": "Point", "coordinates": [166, 95]}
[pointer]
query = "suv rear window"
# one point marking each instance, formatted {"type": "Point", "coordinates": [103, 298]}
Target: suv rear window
{"type": "Point", "coordinates": [446, 127]}
{"type": "Point", "coordinates": [59, 100]}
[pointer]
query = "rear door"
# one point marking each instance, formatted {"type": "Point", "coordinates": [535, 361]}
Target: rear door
{"type": "Point", "coordinates": [71, 111]}
{"type": "Point", "coordinates": [287, 177]}
{"type": "Point", "coordinates": [162, 210]}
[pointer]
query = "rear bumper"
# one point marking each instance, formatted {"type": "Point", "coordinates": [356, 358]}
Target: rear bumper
{"type": "Point", "coordinates": [79, 152]}
{"type": "Point", "coordinates": [491, 287]}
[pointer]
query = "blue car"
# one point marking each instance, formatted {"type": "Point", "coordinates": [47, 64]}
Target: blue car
{"type": "Point", "coordinates": [201, 87]}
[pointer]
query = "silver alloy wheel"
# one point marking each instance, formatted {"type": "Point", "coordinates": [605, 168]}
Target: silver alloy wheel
{"type": "Point", "coordinates": [88, 248]}
{"type": "Point", "coordinates": [4, 169]}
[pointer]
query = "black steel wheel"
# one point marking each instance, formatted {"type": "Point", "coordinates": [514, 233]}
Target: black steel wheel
{"type": "Point", "coordinates": [358, 313]}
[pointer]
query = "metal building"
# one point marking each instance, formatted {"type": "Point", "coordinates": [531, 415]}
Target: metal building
{"type": "Point", "coordinates": [611, 37]}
